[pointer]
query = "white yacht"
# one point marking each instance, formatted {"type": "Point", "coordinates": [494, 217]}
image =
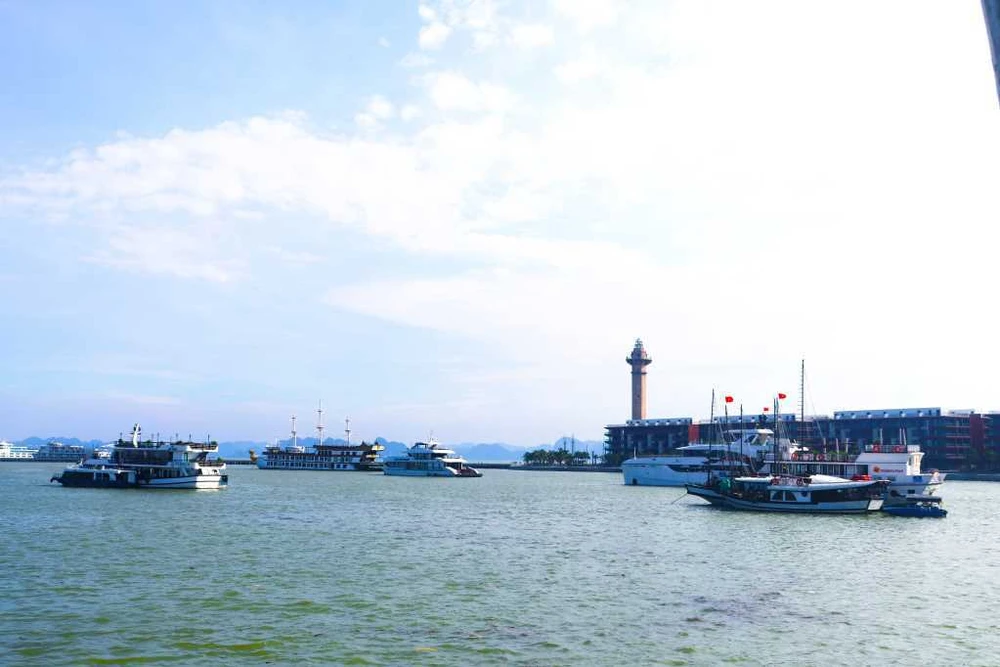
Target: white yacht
{"type": "Point", "coordinates": [429, 459]}
{"type": "Point", "coordinates": [740, 450]}
{"type": "Point", "coordinates": [149, 464]}
{"type": "Point", "coordinates": [11, 452]}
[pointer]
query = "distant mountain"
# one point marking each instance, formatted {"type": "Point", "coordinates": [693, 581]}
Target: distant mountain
{"type": "Point", "coordinates": [36, 442]}
{"type": "Point", "coordinates": [473, 451]}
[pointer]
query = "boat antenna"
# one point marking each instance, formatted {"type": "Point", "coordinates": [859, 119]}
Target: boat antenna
{"type": "Point", "coordinates": [319, 421]}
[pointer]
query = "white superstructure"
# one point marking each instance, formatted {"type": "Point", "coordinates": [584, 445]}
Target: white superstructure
{"type": "Point", "coordinates": [150, 464]}
{"type": "Point", "coordinates": [11, 452]}
{"type": "Point", "coordinates": [740, 450]}
{"type": "Point", "coordinates": [429, 459]}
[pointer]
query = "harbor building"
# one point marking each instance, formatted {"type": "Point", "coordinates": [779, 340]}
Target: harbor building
{"type": "Point", "coordinates": [950, 439]}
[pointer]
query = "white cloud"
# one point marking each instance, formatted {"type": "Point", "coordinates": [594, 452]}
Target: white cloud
{"type": "Point", "coordinates": [384, 43]}
{"type": "Point", "coordinates": [433, 36]}
{"type": "Point", "coordinates": [409, 112]}
{"type": "Point", "coordinates": [380, 107]}
{"type": "Point", "coordinates": [589, 14]}
{"type": "Point", "coordinates": [529, 36]}
{"type": "Point", "coordinates": [452, 91]}
{"type": "Point", "coordinates": [587, 66]}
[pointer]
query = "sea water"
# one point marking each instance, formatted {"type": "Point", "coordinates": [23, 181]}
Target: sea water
{"type": "Point", "coordinates": [516, 567]}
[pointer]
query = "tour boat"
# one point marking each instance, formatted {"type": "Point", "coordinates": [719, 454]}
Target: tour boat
{"type": "Point", "coordinates": [149, 464]}
{"type": "Point", "coordinates": [429, 459]}
{"type": "Point", "coordinates": [362, 457]}
{"type": "Point", "coordinates": [11, 452]}
{"type": "Point", "coordinates": [899, 464]}
{"type": "Point", "coordinates": [754, 450]}
{"type": "Point", "coordinates": [816, 494]}
{"type": "Point", "coordinates": [740, 449]}
{"type": "Point", "coordinates": [57, 451]}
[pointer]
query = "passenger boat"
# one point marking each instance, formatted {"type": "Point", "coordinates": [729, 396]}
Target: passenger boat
{"type": "Point", "coordinates": [816, 494]}
{"type": "Point", "coordinates": [754, 451]}
{"type": "Point", "coordinates": [740, 449]}
{"type": "Point", "coordinates": [429, 459]}
{"type": "Point", "coordinates": [11, 452]}
{"type": "Point", "coordinates": [57, 451]}
{"type": "Point", "coordinates": [899, 464]}
{"type": "Point", "coordinates": [362, 457]}
{"type": "Point", "coordinates": [149, 464]}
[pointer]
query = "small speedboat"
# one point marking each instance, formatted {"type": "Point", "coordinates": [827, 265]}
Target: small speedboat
{"type": "Point", "coordinates": [932, 510]}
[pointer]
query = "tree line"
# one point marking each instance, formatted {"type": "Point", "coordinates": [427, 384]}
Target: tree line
{"type": "Point", "coordinates": [559, 457]}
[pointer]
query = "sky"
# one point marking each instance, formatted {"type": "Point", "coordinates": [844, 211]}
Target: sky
{"type": "Point", "coordinates": [456, 216]}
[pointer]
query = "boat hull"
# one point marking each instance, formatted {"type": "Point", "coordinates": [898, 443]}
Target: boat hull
{"type": "Point", "coordinates": [125, 479]}
{"type": "Point", "coordinates": [403, 472]}
{"type": "Point", "coordinates": [714, 497]}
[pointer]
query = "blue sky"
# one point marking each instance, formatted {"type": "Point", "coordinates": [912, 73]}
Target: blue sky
{"type": "Point", "coordinates": [456, 216]}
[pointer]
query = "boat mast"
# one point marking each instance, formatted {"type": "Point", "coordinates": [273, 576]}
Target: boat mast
{"type": "Point", "coordinates": [347, 429]}
{"type": "Point", "coordinates": [711, 426]}
{"type": "Point", "coordinates": [802, 399]}
{"type": "Point", "coordinates": [295, 440]}
{"type": "Point", "coordinates": [319, 423]}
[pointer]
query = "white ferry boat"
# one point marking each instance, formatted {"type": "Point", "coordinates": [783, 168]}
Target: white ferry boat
{"type": "Point", "coordinates": [815, 494]}
{"type": "Point", "coordinates": [11, 452]}
{"type": "Point", "coordinates": [898, 464]}
{"type": "Point", "coordinates": [740, 449]}
{"type": "Point", "coordinates": [149, 464]}
{"type": "Point", "coordinates": [429, 459]}
{"type": "Point", "coordinates": [363, 457]}
{"type": "Point", "coordinates": [57, 451]}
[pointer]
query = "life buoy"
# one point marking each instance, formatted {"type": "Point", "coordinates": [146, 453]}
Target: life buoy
{"type": "Point", "coordinates": [820, 457]}
{"type": "Point", "coordinates": [795, 456]}
{"type": "Point", "coordinates": [877, 449]}
{"type": "Point", "coordinates": [799, 481]}
{"type": "Point", "coordinates": [898, 450]}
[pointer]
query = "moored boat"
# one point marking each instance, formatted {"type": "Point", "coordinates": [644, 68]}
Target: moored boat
{"type": "Point", "coordinates": [740, 450]}
{"type": "Point", "coordinates": [924, 508]}
{"type": "Point", "coordinates": [149, 464]}
{"type": "Point", "coordinates": [816, 494]}
{"type": "Point", "coordinates": [11, 452]}
{"type": "Point", "coordinates": [362, 457]}
{"type": "Point", "coordinates": [429, 459]}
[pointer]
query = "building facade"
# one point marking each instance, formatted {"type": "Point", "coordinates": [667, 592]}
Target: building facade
{"type": "Point", "coordinates": [949, 439]}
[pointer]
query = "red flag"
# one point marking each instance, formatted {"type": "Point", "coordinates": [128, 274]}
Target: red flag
{"type": "Point", "coordinates": [767, 409]}
{"type": "Point", "coordinates": [729, 399]}
{"type": "Point", "coordinates": [781, 396]}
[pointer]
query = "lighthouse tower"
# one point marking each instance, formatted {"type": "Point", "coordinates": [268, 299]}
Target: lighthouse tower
{"type": "Point", "coordinates": [638, 360]}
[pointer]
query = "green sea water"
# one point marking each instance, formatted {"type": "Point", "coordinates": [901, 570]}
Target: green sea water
{"type": "Point", "coordinates": [514, 568]}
